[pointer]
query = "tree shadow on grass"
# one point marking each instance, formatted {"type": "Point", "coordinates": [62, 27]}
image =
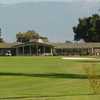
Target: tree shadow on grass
{"type": "Point", "coordinates": [45, 96]}
{"type": "Point", "coordinates": [48, 75]}
{"type": "Point", "coordinates": [87, 61]}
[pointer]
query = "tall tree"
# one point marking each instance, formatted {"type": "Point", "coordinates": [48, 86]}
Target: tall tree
{"type": "Point", "coordinates": [29, 35]}
{"type": "Point", "coordinates": [88, 29]}
{"type": "Point", "coordinates": [20, 37]}
{"type": "Point", "coordinates": [26, 36]}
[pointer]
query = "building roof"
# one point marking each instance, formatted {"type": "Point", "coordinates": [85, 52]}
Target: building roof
{"type": "Point", "coordinates": [76, 45]}
{"type": "Point", "coordinates": [56, 45]}
{"type": "Point", "coordinates": [5, 45]}
{"type": "Point", "coordinates": [32, 43]}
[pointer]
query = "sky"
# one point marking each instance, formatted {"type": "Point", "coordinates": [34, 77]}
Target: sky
{"type": "Point", "coordinates": [18, 1]}
{"type": "Point", "coordinates": [52, 19]}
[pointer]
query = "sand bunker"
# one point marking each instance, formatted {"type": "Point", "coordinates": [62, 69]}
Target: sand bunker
{"type": "Point", "coordinates": [79, 58]}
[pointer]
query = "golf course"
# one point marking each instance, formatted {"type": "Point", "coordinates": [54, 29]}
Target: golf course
{"type": "Point", "coordinates": [46, 78]}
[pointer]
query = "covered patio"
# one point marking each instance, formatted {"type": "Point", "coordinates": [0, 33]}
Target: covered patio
{"type": "Point", "coordinates": [33, 49]}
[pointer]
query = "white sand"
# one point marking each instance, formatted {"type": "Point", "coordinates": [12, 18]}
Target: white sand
{"type": "Point", "coordinates": [79, 58]}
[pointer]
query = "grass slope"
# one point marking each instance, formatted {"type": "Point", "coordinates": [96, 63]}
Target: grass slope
{"type": "Point", "coordinates": [44, 78]}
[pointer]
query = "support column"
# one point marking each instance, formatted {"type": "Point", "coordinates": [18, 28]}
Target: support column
{"type": "Point", "coordinates": [51, 52]}
{"type": "Point", "coordinates": [89, 51]}
{"type": "Point", "coordinates": [62, 52]}
{"type": "Point", "coordinates": [17, 53]}
{"type": "Point", "coordinates": [23, 50]}
{"type": "Point", "coordinates": [44, 50]}
{"type": "Point", "coordinates": [30, 50]}
{"type": "Point", "coordinates": [37, 51]}
{"type": "Point", "coordinates": [92, 51]}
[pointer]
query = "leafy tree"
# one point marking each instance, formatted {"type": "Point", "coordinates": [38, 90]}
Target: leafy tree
{"type": "Point", "coordinates": [19, 37]}
{"type": "Point", "coordinates": [28, 36]}
{"type": "Point", "coordinates": [88, 29]}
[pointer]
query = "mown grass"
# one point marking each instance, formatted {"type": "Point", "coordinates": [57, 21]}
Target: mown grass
{"type": "Point", "coordinates": [44, 78]}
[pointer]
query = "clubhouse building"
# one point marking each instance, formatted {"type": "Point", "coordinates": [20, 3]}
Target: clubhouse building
{"type": "Point", "coordinates": [77, 49]}
{"type": "Point", "coordinates": [40, 48]}
{"type": "Point", "coordinates": [32, 48]}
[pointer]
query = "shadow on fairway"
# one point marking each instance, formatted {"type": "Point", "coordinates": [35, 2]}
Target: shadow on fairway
{"type": "Point", "coordinates": [87, 61]}
{"type": "Point", "coordinates": [48, 75]}
{"type": "Point", "coordinates": [46, 97]}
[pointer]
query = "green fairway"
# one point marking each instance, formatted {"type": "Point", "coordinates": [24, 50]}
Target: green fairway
{"type": "Point", "coordinates": [44, 78]}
